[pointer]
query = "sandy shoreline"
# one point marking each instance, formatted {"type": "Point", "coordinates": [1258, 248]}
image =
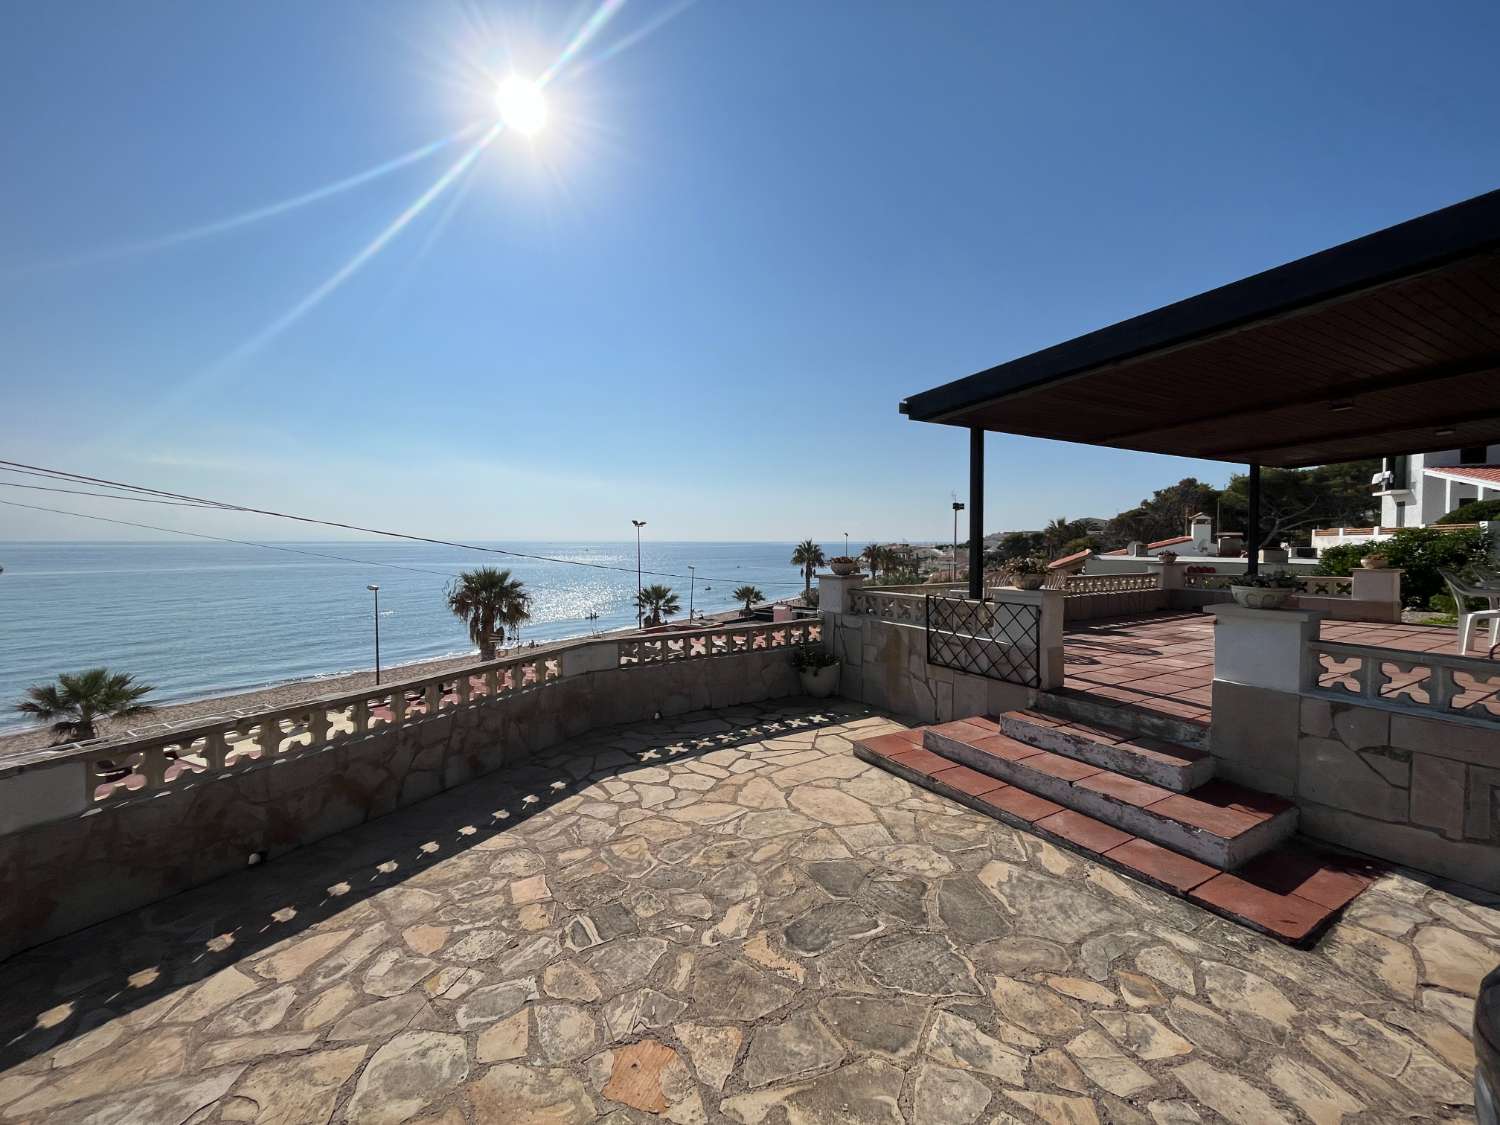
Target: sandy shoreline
{"type": "Point", "coordinates": [298, 691]}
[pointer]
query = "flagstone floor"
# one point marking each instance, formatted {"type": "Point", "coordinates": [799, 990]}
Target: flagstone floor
{"type": "Point", "coordinates": [728, 917]}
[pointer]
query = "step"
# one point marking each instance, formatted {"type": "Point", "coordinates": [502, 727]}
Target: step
{"type": "Point", "coordinates": [1218, 823]}
{"type": "Point", "coordinates": [1098, 711]}
{"type": "Point", "coordinates": [1170, 765]}
{"type": "Point", "coordinates": [1291, 893]}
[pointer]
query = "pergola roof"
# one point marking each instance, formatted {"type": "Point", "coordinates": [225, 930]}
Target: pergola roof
{"type": "Point", "coordinates": [1388, 344]}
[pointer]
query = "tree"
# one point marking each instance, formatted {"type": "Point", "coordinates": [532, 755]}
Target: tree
{"type": "Point", "coordinates": [809, 556]}
{"type": "Point", "coordinates": [491, 603]}
{"type": "Point", "coordinates": [878, 558]}
{"type": "Point", "coordinates": [1293, 499]}
{"type": "Point", "coordinates": [656, 602]}
{"type": "Point", "coordinates": [78, 701]}
{"type": "Point", "coordinates": [1014, 545]}
{"type": "Point", "coordinates": [1164, 515]}
{"type": "Point", "coordinates": [1059, 532]}
{"type": "Point", "coordinates": [749, 595]}
{"type": "Point", "coordinates": [1474, 511]}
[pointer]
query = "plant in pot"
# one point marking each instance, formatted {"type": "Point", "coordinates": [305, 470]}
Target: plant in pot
{"type": "Point", "coordinates": [1167, 556]}
{"type": "Point", "coordinates": [817, 669]}
{"type": "Point", "coordinates": [1264, 591]}
{"type": "Point", "coordinates": [1375, 560]}
{"type": "Point", "coordinates": [843, 565]}
{"type": "Point", "coordinates": [1028, 572]}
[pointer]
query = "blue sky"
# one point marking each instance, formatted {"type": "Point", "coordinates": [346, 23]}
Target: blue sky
{"type": "Point", "coordinates": [699, 294]}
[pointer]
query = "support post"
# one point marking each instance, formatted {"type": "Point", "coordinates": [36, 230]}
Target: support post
{"type": "Point", "coordinates": [976, 512]}
{"type": "Point", "coordinates": [1252, 521]}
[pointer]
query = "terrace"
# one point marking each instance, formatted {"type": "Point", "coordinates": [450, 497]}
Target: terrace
{"type": "Point", "coordinates": [729, 916]}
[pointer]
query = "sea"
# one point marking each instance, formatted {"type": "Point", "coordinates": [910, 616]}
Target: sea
{"type": "Point", "coordinates": [203, 619]}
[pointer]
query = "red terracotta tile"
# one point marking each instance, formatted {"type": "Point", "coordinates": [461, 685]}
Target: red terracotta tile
{"type": "Point", "coordinates": [985, 723]}
{"type": "Point", "coordinates": [1003, 746]}
{"type": "Point", "coordinates": [1222, 822]}
{"type": "Point", "coordinates": [922, 760]}
{"type": "Point", "coordinates": [1018, 802]}
{"type": "Point", "coordinates": [1056, 765]}
{"type": "Point", "coordinates": [1251, 802]}
{"type": "Point", "coordinates": [962, 730]}
{"type": "Point", "coordinates": [1287, 916]}
{"type": "Point", "coordinates": [965, 780]}
{"type": "Point", "coordinates": [1084, 831]}
{"type": "Point", "coordinates": [1325, 880]}
{"type": "Point", "coordinates": [1161, 866]}
{"type": "Point", "coordinates": [887, 744]}
{"type": "Point", "coordinates": [1126, 789]}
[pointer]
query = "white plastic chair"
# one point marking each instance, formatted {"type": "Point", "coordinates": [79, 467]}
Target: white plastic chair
{"type": "Point", "coordinates": [1462, 591]}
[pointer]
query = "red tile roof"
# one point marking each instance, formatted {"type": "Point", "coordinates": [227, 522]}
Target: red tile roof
{"type": "Point", "coordinates": [1480, 474]}
{"type": "Point", "coordinates": [1172, 542]}
{"type": "Point", "coordinates": [1066, 560]}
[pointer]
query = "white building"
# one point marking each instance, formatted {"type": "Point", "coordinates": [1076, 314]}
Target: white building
{"type": "Point", "coordinates": [1419, 489]}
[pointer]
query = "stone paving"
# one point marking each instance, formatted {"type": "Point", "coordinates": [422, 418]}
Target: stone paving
{"type": "Point", "coordinates": [728, 917]}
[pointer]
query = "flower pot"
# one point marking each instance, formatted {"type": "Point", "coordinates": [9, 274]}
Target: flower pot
{"type": "Point", "coordinates": [1260, 597]}
{"type": "Point", "coordinates": [1167, 556]}
{"type": "Point", "coordinates": [843, 569]}
{"type": "Point", "coordinates": [819, 683]}
{"type": "Point", "coordinates": [1028, 581]}
{"type": "Point", "coordinates": [1374, 562]}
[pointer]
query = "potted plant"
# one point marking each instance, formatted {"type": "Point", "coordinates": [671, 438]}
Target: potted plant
{"type": "Point", "coordinates": [1166, 556]}
{"type": "Point", "coordinates": [843, 565]}
{"type": "Point", "coordinates": [1263, 591]}
{"type": "Point", "coordinates": [1375, 560]}
{"type": "Point", "coordinates": [818, 670]}
{"type": "Point", "coordinates": [1028, 572]}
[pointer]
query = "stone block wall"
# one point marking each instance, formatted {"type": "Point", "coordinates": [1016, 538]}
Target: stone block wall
{"type": "Point", "coordinates": [884, 664]}
{"type": "Point", "coordinates": [1418, 791]}
{"type": "Point", "coordinates": [67, 874]}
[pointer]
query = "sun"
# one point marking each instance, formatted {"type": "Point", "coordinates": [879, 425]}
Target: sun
{"type": "Point", "coordinates": [521, 105]}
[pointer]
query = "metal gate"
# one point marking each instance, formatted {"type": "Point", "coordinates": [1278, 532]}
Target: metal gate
{"type": "Point", "coordinates": [1001, 640]}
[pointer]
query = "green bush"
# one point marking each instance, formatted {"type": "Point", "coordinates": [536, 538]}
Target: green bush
{"type": "Point", "coordinates": [1419, 551]}
{"type": "Point", "coordinates": [1475, 511]}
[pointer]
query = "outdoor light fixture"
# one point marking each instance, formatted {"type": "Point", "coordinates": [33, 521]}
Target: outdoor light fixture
{"type": "Point", "coordinates": [1340, 407]}
{"type": "Point", "coordinates": [640, 610]}
{"type": "Point", "coordinates": [376, 591]}
{"type": "Point", "coordinates": [1446, 431]}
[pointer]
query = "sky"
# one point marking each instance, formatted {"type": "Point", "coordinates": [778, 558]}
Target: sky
{"type": "Point", "coordinates": [747, 231]}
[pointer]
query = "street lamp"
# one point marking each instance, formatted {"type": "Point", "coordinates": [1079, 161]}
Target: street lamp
{"type": "Point", "coordinates": [692, 586]}
{"type": "Point", "coordinates": [376, 591]}
{"type": "Point", "coordinates": [957, 507]}
{"type": "Point", "coordinates": [846, 544]}
{"type": "Point", "coordinates": [640, 609]}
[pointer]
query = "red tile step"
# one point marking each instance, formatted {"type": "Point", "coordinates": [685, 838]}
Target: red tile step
{"type": "Point", "coordinates": [1290, 893]}
{"type": "Point", "coordinates": [1170, 765]}
{"type": "Point", "coordinates": [1218, 823]}
{"type": "Point", "coordinates": [1169, 722]}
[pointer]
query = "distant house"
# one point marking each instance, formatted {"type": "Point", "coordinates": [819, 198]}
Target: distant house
{"type": "Point", "coordinates": [1419, 489]}
{"type": "Point", "coordinates": [1198, 542]}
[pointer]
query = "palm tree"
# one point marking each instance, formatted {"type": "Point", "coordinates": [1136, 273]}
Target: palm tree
{"type": "Point", "coordinates": [1057, 533]}
{"type": "Point", "coordinates": [79, 700]}
{"type": "Point", "coordinates": [491, 603]}
{"type": "Point", "coordinates": [749, 595]}
{"type": "Point", "coordinates": [809, 556]}
{"type": "Point", "coordinates": [874, 554]}
{"type": "Point", "coordinates": [657, 602]}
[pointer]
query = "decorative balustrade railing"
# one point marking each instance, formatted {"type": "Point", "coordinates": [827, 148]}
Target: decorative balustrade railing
{"type": "Point", "coordinates": [168, 757]}
{"type": "Point", "coordinates": [888, 605]}
{"type": "Point", "coordinates": [1207, 581]}
{"type": "Point", "coordinates": [666, 647]}
{"type": "Point", "coordinates": [1001, 640]}
{"type": "Point", "coordinates": [1434, 684]}
{"type": "Point", "coordinates": [1077, 584]}
{"type": "Point", "coordinates": [1314, 585]}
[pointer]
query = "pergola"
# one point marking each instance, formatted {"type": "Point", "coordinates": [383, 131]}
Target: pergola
{"type": "Point", "coordinates": [1386, 345]}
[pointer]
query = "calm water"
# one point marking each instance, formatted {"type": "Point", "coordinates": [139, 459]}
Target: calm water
{"type": "Point", "coordinates": [200, 619]}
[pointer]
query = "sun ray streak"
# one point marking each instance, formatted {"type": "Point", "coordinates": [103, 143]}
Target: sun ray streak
{"type": "Point", "coordinates": [591, 27]}
{"type": "Point", "coordinates": [354, 264]}
{"type": "Point", "coordinates": [258, 214]}
{"type": "Point", "coordinates": [655, 24]}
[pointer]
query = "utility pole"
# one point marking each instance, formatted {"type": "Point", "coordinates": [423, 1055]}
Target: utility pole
{"type": "Point", "coordinates": [692, 587]}
{"type": "Point", "coordinates": [957, 507]}
{"type": "Point", "coordinates": [376, 591]}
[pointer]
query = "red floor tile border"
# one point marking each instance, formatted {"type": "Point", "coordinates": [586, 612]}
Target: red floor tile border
{"type": "Point", "coordinates": [1288, 917]}
{"type": "Point", "coordinates": [966, 780]}
{"type": "Point", "coordinates": [1161, 866]}
{"type": "Point", "coordinates": [921, 759]}
{"type": "Point", "coordinates": [1081, 829]}
{"type": "Point", "coordinates": [1019, 803]}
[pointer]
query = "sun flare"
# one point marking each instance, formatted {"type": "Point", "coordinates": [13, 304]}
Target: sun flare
{"type": "Point", "coordinates": [521, 105]}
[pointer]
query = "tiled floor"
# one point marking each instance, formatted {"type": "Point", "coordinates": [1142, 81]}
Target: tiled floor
{"type": "Point", "coordinates": [1165, 662]}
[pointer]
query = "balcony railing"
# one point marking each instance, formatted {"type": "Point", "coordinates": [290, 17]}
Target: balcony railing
{"type": "Point", "coordinates": [891, 604]}
{"type": "Point", "coordinates": [1077, 584]}
{"type": "Point", "coordinates": [1439, 685]}
{"type": "Point", "coordinates": [146, 762]}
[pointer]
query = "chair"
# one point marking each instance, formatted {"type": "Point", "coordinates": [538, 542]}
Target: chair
{"type": "Point", "coordinates": [1462, 591]}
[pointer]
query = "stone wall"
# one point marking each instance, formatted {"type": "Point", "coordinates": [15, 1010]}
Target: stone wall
{"type": "Point", "coordinates": [884, 664]}
{"type": "Point", "coordinates": [1418, 791]}
{"type": "Point", "coordinates": [69, 873]}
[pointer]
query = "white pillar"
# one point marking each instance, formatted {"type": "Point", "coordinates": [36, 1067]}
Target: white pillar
{"type": "Point", "coordinates": [1170, 573]}
{"type": "Point", "coordinates": [833, 592]}
{"type": "Point", "coordinates": [1380, 587]}
{"type": "Point", "coordinates": [1049, 604]}
{"type": "Point", "coordinates": [1264, 648]}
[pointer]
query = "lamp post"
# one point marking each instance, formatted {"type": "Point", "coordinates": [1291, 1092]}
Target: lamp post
{"type": "Point", "coordinates": [692, 587]}
{"type": "Point", "coordinates": [376, 591]}
{"type": "Point", "coordinates": [846, 544]}
{"type": "Point", "coordinates": [640, 610]}
{"type": "Point", "coordinates": [957, 507]}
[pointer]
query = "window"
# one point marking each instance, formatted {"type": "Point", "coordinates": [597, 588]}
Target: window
{"type": "Point", "coordinates": [1473, 455]}
{"type": "Point", "coordinates": [1400, 513]}
{"type": "Point", "coordinates": [1398, 468]}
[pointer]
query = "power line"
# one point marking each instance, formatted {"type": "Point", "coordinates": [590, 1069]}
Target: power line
{"type": "Point", "coordinates": [100, 495]}
{"type": "Point", "coordinates": [226, 506]}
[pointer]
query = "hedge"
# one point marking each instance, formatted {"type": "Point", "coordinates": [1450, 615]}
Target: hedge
{"type": "Point", "coordinates": [1419, 551]}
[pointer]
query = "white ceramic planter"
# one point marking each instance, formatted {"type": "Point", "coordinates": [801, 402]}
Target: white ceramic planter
{"type": "Point", "coordinates": [1028, 581]}
{"type": "Point", "coordinates": [1375, 562]}
{"type": "Point", "coordinates": [1259, 597]}
{"type": "Point", "coordinates": [820, 683]}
